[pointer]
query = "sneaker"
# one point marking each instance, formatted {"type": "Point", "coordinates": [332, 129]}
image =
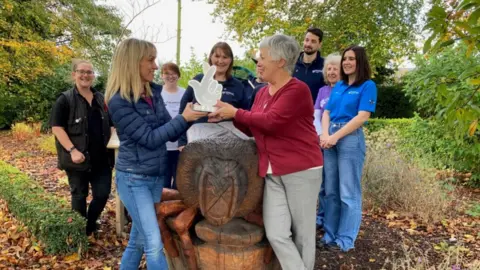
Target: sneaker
{"type": "Point", "coordinates": [336, 248]}
{"type": "Point", "coordinates": [321, 245]}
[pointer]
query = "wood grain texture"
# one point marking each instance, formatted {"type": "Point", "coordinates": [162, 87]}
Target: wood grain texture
{"type": "Point", "coordinates": [217, 177]}
{"type": "Point", "coordinates": [237, 232]}
{"type": "Point", "coordinates": [167, 238]}
{"type": "Point", "coordinates": [169, 208]}
{"type": "Point", "coordinates": [220, 175]}
{"type": "Point", "coordinates": [170, 194]}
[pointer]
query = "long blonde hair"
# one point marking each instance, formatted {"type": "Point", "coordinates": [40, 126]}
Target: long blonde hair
{"type": "Point", "coordinates": [125, 71]}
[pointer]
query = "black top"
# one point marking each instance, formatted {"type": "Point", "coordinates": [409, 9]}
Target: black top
{"type": "Point", "coordinates": [96, 147]}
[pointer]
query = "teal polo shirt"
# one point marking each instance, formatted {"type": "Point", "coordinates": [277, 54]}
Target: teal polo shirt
{"type": "Point", "coordinates": [347, 100]}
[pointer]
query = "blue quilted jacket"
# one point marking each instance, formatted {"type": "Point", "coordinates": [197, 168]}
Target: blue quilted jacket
{"type": "Point", "coordinates": [143, 133]}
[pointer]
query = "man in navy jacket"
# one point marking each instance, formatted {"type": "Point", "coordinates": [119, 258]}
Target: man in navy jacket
{"type": "Point", "coordinates": [310, 64]}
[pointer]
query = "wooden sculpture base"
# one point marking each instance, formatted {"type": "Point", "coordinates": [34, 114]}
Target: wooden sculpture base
{"type": "Point", "coordinates": [214, 220]}
{"type": "Point", "coordinates": [235, 245]}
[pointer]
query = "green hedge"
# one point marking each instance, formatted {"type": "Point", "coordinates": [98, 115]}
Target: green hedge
{"type": "Point", "coordinates": [51, 221]}
{"type": "Point", "coordinates": [376, 124]}
{"type": "Point", "coordinates": [393, 103]}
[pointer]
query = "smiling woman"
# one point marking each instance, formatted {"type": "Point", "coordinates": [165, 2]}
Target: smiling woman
{"type": "Point", "coordinates": [289, 157]}
{"type": "Point", "coordinates": [351, 102]}
{"type": "Point", "coordinates": [144, 126]}
{"type": "Point", "coordinates": [331, 74]}
{"type": "Point", "coordinates": [81, 126]}
{"type": "Point", "coordinates": [221, 56]}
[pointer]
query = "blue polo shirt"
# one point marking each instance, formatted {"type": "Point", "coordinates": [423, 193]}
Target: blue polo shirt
{"type": "Point", "coordinates": [347, 100]}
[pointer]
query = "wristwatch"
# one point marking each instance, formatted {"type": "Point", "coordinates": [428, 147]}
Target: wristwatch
{"type": "Point", "coordinates": [71, 149]}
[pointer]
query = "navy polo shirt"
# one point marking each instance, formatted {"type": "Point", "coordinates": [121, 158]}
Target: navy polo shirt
{"type": "Point", "coordinates": [311, 74]}
{"type": "Point", "coordinates": [233, 93]}
{"type": "Point", "coordinates": [347, 100]}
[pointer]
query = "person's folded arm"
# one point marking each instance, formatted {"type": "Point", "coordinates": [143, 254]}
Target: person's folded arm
{"type": "Point", "coordinates": [128, 121]}
{"type": "Point", "coordinates": [352, 125]}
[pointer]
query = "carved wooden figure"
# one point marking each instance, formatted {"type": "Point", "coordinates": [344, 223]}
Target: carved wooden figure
{"type": "Point", "coordinates": [214, 220]}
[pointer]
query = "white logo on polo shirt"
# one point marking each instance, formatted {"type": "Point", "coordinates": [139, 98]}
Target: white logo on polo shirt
{"type": "Point", "coordinates": [228, 93]}
{"type": "Point", "coordinates": [353, 92]}
{"type": "Point", "coordinates": [317, 71]}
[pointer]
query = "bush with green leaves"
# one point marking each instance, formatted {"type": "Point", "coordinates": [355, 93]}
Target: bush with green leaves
{"type": "Point", "coordinates": [392, 102]}
{"type": "Point", "coordinates": [50, 220]}
{"type": "Point", "coordinates": [37, 98]}
{"type": "Point", "coordinates": [442, 88]}
{"type": "Point", "coordinates": [433, 144]}
{"type": "Point", "coordinates": [375, 124]}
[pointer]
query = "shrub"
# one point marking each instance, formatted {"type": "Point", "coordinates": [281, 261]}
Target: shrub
{"type": "Point", "coordinates": [428, 144]}
{"type": "Point", "coordinates": [37, 128]}
{"type": "Point", "coordinates": [52, 222]}
{"type": "Point", "coordinates": [389, 182]}
{"type": "Point", "coordinates": [393, 103]}
{"type": "Point", "coordinates": [376, 124]}
{"type": "Point", "coordinates": [450, 258]}
{"type": "Point", "coordinates": [432, 144]}
{"type": "Point", "coordinates": [47, 144]}
{"type": "Point", "coordinates": [443, 87]}
{"type": "Point", "coordinates": [22, 132]}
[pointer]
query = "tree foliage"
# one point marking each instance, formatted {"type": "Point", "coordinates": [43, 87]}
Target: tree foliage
{"type": "Point", "coordinates": [386, 28]}
{"type": "Point", "coordinates": [440, 88]}
{"type": "Point", "coordinates": [450, 23]}
{"type": "Point", "coordinates": [38, 38]}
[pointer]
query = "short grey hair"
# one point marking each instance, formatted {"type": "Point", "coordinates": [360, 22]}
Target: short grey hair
{"type": "Point", "coordinates": [282, 47]}
{"type": "Point", "coordinates": [331, 59]}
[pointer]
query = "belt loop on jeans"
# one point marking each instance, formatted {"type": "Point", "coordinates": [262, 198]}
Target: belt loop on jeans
{"type": "Point", "coordinates": [337, 124]}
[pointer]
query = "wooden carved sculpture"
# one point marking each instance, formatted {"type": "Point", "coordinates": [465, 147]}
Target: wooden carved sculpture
{"type": "Point", "coordinates": [214, 220]}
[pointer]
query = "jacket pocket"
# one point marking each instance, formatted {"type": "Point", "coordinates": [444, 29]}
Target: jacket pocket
{"type": "Point", "coordinates": [76, 127]}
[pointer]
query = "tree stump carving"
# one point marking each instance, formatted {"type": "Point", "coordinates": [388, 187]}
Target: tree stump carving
{"type": "Point", "coordinates": [215, 220]}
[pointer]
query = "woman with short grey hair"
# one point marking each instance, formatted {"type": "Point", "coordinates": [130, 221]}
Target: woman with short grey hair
{"type": "Point", "coordinates": [281, 121]}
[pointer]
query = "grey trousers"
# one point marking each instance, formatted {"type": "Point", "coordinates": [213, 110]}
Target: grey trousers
{"type": "Point", "coordinates": [289, 213]}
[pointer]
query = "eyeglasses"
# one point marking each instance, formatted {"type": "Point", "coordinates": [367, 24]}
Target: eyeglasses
{"type": "Point", "coordinates": [85, 72]}
{"type": "Point", "coordinates": [173, 76]}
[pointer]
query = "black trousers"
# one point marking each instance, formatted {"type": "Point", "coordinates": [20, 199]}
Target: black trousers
{"type": "Point", "coordinates": [101, 181]}
{"type": "Point", "coordinates": [171, 170]}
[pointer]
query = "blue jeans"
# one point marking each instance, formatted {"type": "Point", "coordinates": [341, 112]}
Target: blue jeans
{"type": "Point", "coordinates": [343, 191]}
{"type": "Point", "coordinates": [139, 193]}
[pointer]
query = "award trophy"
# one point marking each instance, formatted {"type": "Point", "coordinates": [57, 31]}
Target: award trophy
{"type": "Point", "coordinates": [207, 91]}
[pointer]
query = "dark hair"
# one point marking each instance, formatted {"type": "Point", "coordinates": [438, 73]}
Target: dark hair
{"type": "Point", "coordinates": [317, 32]}
{"type": "Point", "coordinates": [171, 67]}
{"type": "Point", "coordinates": [226, 49]}
{"type": "Point", "coordinates": [362, 69]}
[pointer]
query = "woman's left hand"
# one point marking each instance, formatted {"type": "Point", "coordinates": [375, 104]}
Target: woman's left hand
{"type": "Point", "coordinates": [330, 141]}
{"type": "Point", "coordinates": [225, 111]}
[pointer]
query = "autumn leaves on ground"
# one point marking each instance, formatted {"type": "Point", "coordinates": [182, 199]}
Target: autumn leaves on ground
{"type": "Point", "coordinates": [411, 236]}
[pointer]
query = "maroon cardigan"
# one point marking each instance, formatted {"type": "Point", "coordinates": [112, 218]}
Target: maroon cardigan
{"type": "Point", "coordinates": [282, 126]}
